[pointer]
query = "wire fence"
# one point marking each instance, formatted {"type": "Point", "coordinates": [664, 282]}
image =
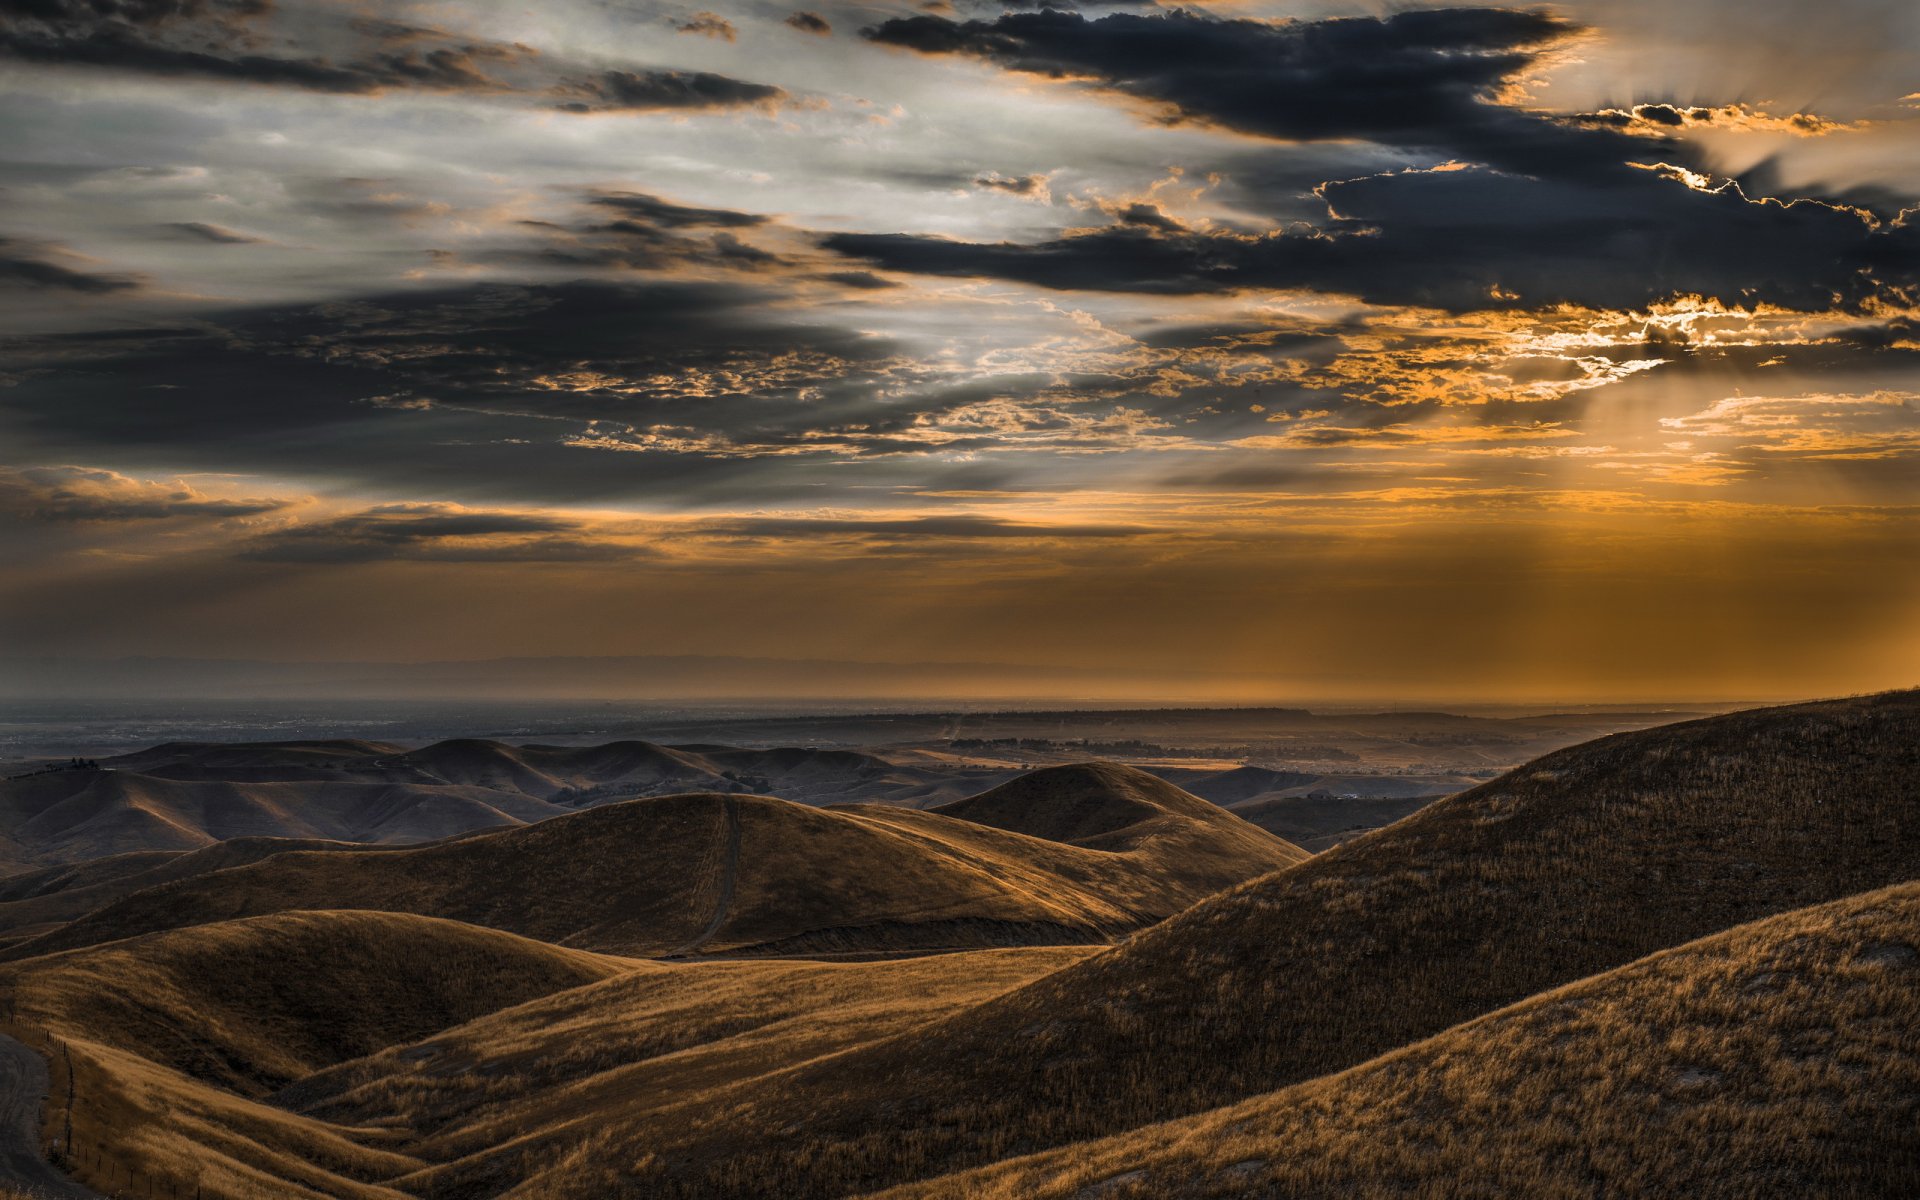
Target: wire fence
{"type": "Point", "coordinates": [84, 1156]}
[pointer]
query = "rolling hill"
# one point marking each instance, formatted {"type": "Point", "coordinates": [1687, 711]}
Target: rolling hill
{"type": "Point", "coordinates": [168, 1048]}
{"type": "Point", "coordinates": [1776, 1059]}
{"type": "Point", "coordinates": [40, 901]}
{"type": "Point", "coordinates": [750, 874]}
{"type": "Point", "coordinates": [256, 1003]}
{"type": "Point", "coordinates": [1573, 865]}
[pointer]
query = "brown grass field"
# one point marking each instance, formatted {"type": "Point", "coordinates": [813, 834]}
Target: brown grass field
{"type": "Point", "coordinates": [1781, 1058]}
{"type": "Point", "coordinates": [1576, 864]}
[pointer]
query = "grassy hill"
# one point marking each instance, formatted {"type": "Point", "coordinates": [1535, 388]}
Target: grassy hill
{"type": "Point", "coordinates": [1575, 864]}
{"type": "Point", "coordinates": [253, 1004]}
{"type": "Point", "coordinates": [1776, 1059]}
{"type": "Point", "coordinates": [707, 873]}
{"type": "Point", "coordinates": [507, 1097]}
{"type": "Point", "coordinates": [40, 901]}
{"type": "Point", "coordinates": [169, 1044]}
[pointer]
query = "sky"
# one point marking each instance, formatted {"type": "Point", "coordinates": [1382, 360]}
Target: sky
{"type": "Point", "coordinates": [1276, 349]}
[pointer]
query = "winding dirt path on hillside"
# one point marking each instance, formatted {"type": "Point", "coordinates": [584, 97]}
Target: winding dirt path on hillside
{"type": "Point", "coordinates": [23, 1089]}
{"type": "Point", "coordinates": [729, 874]}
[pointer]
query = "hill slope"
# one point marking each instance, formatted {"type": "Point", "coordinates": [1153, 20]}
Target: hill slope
{"type": "Point", "coordinates": [40, 901]}
{"type": "Point", "coordinates": [682, 874]}
{"type": "Point", "coordinates": [503, 1097]}
{"type": "Point", "coordinates": [255, 1003]}
{"type": "Point", "coordinates": [250, 1004]}
{"type": "Point", "coordinates": [1580, 862]}
{"type": "Point", "coordinates": [1776, 1059]}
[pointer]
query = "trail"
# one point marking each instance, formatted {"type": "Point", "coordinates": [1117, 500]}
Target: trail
{"type": "Point", "coordinates": [23, 1088]}
{"type": "Point", "coordinates": [729, 873]}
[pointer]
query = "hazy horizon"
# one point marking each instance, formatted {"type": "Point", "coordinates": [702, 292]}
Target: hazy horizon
{"type": "Point", "coordinates": [779, 684]}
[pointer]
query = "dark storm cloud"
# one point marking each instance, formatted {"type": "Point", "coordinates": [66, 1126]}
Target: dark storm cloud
{"type": "Point", "coordinates": [644, 91]}
{"type": "Point", "coordinates": [1467, 240]}
{"type": "Point", "coordinates": [1422, 78]}
{"type": "Point", "coordinates": [810, 22]}
{"type": "Point", "coordinates": [27, 264]}
{"type": "Point", "coordinates": [1553, 209]}
{"type": "Point", "coordinates": [436, 533]}
{"type": "Point", "coordinates": [486, 389]}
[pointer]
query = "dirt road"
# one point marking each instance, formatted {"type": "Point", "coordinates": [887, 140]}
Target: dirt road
{"type": "Point", "coordinates": [23, 1088]}
{"type": "Point", "coordinates": [729, 872]}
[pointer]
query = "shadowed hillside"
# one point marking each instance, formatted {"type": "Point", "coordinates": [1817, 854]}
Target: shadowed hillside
{"type": "Point", "coordinates": [43, 900]}
{"type": "Point", "coordinates": [148, 1118]}
{"type": "Point", "coordinates": [1778, 1059]}
{"type": "Point", "coordinates": [252, 1004]}
{"type": "Point", "coordinates": [501, 1098]}
{"type": "Point", "coordinates": [1573, 865]}
{"type": "Point", "coordinates": [707, 873]}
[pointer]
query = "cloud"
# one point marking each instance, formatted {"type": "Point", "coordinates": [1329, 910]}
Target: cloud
{"type": "Point", "coordinates": [954, 526]}
{"type": "Point", "coordinates": [656, 235]}
{"type": "Point", "coordinates": [713, 25]}
{"type": "Point", "coordinates": [29, 264]}
{"type": "Point", "coordinates": [810, 22]}
{"type": "Point", "coordinates": [221, 40]}
{"type": "Point", "coordinates": [70, 493]}
{"type": "Point", "coordinates": [663, 213]}
{"type": "Point", "coordinates": [318, 48]}
{"type": "Point", "coordinates": [1031, 187]}
{"type": "Point", "coordinates": [1421, 78]}
{"type": "Point", "coordinates": [475, 388]}
{"type": "Point", "coordinates": [1671, 118]}
{"type": "Point", "coordinates": [439, 532]}
{"type": "Point", "coordinates": [864, 280]}
{"type": "Point", "coordinates": [665, 91]}
{"type": "Point", "coordinates": [217, 234]}
{"type": "Point", "coordinates": [1470, 239]}
{"type": "Point", "coordinates": [1522, 208]}
{"type": "Point", "coordinates": [1820, 426]}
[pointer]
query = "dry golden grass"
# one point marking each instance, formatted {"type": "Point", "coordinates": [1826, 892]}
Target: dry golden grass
{"type": "Point", "coordinates": [1781, 1058]}
{"type": "Point", "coordinates": [163, 1047]}
{"type": "Point", "coordinates": [142, 1130]}
{"type": "Point", "coordinates": [711, 872]}
{"type": "Point", "coordinates": [509, 1097]}
{"type": "Point", "coordinates": [41, 901]}
{"type": "Point", "coordinates": [471, 1106]}
{"type": "Point", "coordinates": [250, 1005]}
{"type": "Point", "coordinates": [1583, 861]}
